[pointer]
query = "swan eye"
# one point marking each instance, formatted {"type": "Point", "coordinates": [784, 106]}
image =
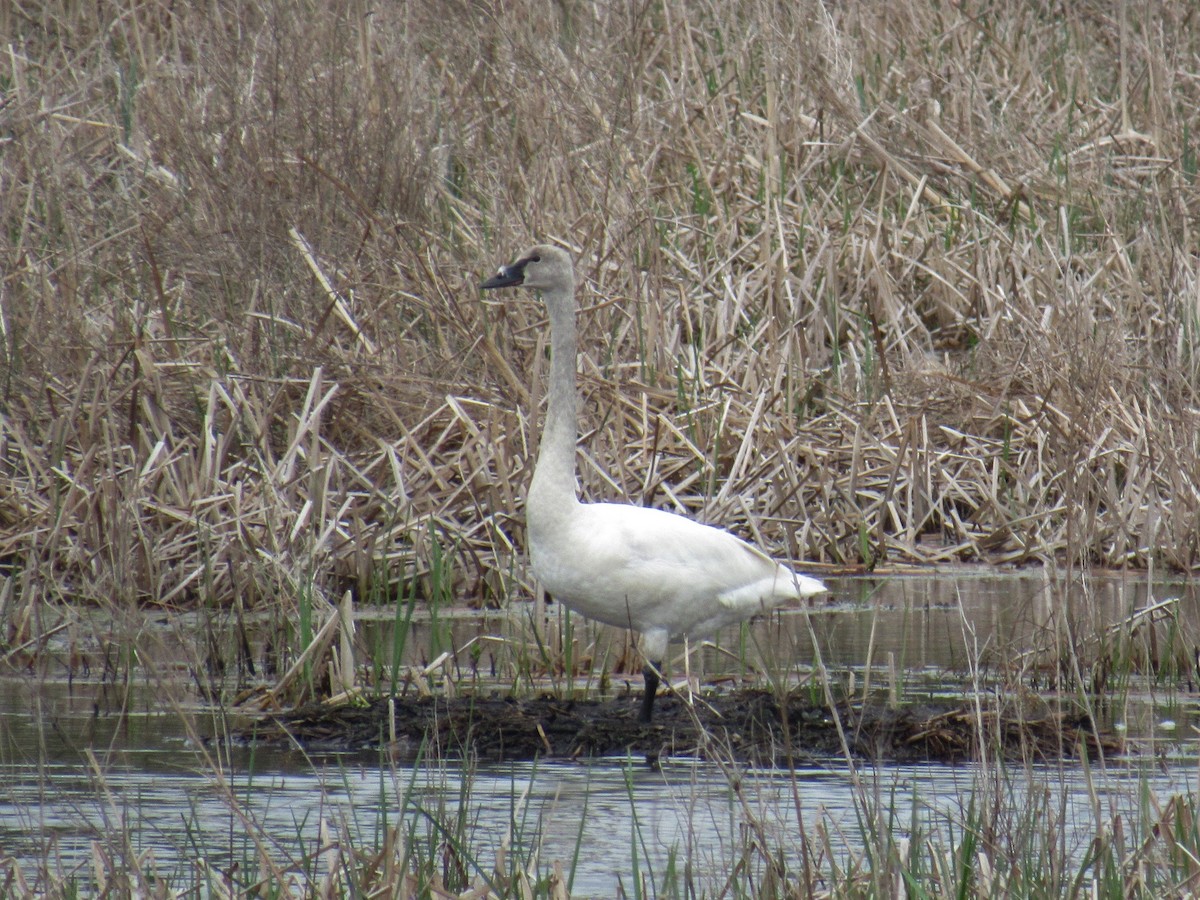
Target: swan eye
{"type": "Point", "coordinates": [535, 259]}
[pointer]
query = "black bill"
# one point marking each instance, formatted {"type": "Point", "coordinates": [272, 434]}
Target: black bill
{"type": "Point", "coordinates": [508, 276]}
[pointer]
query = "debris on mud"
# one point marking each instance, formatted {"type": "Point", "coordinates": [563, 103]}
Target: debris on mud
{"type": "Point", "coordinates": [750, 726]}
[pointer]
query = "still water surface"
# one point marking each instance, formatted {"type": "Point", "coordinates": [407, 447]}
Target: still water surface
{"type": "Point", "coordinates": [87, 770]}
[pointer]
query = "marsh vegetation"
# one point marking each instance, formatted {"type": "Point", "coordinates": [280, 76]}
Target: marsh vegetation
{"type": "Point", "coordinates": [875, 286]}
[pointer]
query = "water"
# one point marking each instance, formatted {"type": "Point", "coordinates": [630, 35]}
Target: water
{"type": "Point", "coordinates": [595, 819]}
{"type": "Point", "coordinates": [94, 772]}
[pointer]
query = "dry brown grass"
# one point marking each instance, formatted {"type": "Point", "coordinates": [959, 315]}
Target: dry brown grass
{"type": "Point", "coordinates": [914, 282]}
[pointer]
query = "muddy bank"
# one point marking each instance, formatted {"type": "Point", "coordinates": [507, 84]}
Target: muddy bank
{"type": "Point", "coordinates": [749, 726]}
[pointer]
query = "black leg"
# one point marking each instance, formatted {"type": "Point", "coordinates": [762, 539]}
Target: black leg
{"type": "Point", "coordinates": [650, 674]}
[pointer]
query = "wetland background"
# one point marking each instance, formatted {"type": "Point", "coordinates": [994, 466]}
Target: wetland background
{"type": "Point", "coordinates": [873, 286]}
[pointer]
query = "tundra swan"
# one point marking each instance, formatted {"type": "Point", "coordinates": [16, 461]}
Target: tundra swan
{"type": "Point", "coordinates": [655, 572]}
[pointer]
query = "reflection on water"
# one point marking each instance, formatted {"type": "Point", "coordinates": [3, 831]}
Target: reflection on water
{"type": "Point", "coordinates": [77, 778]}
{"type": "Point", "coordinates": [915, 622]}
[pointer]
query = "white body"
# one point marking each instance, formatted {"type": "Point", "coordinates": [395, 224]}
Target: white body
{"type": "Point", "coordinates": [655, 572]}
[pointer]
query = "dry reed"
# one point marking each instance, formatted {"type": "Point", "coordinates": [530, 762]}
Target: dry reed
{"type": "Point", "coordinates": [905, 284]}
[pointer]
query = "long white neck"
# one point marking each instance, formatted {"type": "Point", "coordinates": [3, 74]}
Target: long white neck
{"type": "Point", "coordinates": [553, 488]}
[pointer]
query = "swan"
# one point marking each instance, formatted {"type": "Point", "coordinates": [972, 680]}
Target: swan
{"type": "Point", "coordinates": [660, 574]}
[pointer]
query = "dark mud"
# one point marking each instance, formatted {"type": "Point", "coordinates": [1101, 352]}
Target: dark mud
{"type": "Point", "coordinates": [751, 726]}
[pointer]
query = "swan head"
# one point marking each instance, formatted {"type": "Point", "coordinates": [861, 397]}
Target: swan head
{"type": "Point", "coordinates": [544, 268]}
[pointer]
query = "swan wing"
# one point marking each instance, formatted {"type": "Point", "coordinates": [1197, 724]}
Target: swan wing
{"type": "Point", "coordinates": [643, 568]}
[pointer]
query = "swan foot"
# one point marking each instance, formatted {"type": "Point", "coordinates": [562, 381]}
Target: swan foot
{"type": "Point", "coordinates": [653, 680]}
